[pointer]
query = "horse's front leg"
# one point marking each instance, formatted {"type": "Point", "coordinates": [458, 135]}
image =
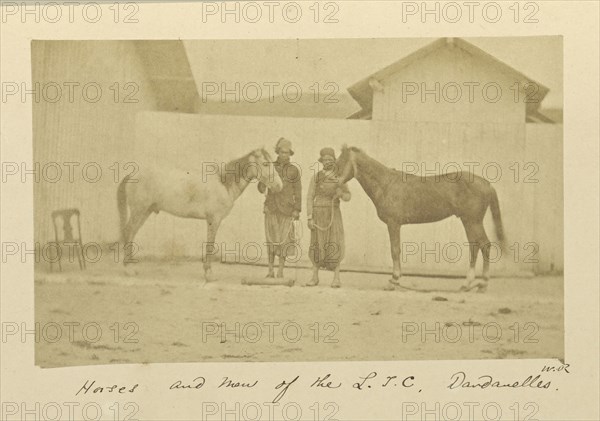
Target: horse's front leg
{"type": "Point", "coordinates": [271, 253]}
{"type": "Point", "coordinates": [212, 226]}
{"type": "Point", "coordinates": [394, 232]}
{"type": "Point", "coordinates": [281, 265]}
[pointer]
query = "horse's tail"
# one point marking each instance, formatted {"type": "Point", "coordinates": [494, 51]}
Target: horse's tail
{"type": "Point", "coordinates": [495, 208]}
{"type": "Point", "coordinates": [122, 206]}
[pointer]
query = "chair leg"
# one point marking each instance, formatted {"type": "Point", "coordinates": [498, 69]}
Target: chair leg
{"type": "Point", "coordinates": [82, 254]}
{"type": "Point", "coordinates": [59, 251]}
{"type": "Point", "coordinates": [79, 255]}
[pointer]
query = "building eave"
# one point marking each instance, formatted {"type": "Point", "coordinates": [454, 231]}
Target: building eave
{"type": "Point", "coordinates": [362, 91]}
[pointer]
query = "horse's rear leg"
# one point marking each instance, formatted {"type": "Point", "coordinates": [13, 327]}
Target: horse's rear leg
{"type": "Point", "coordinates": [484, 245]}
{"type": "Point", "coordinates": [137, 219]}
{"type": "Point", "coordinates": [478, 240]}
{"type": "Point", "coordinates": [212, 226]}
{"type": "Point", "coordinates": [394, 232]}
{"type": "Point", "coordinates": [470, 230]}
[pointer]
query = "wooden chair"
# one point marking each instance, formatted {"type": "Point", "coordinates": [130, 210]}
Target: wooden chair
{"type": "Point", "coordinates": [67, 237]}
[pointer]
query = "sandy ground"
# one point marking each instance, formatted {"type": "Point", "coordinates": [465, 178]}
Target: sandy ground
{"type": "Point", "coordinates": [167, 313]}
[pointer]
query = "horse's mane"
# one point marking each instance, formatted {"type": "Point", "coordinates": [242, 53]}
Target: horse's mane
{"type": "Point", "coordinates": [239, 164]}
{"type": "Point", "coordinates": [229, 177]}
{"type": "Point", "coordinates": [352, 148]}
{"type": "Point", "coordinates": [355, 149]}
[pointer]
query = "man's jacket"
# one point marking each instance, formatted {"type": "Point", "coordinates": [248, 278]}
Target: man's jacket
{"type": "Point", "coordinates": [289, 199]}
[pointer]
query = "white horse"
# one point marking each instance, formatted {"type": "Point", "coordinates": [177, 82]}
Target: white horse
{"type": "Point", "coordinates": [208, 194]}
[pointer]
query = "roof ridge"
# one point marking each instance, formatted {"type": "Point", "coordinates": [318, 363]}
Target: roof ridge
{"type": "Point", "coordinates": [362, 91]}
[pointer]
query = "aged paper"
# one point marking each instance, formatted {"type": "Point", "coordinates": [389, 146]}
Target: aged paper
{"type": "Point", "coordinates": [299, 211]}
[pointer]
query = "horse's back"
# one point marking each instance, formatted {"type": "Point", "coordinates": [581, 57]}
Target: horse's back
{"type": "Point", "coordinates": [422, 199]}
{"type": "Point", "coordinates": [184, 193]}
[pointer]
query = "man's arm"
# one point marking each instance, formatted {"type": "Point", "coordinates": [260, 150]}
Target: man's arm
{"type": "Point", "coordinates": [298, 191]}
{"type": "Point", "coordinates": [310, 198]}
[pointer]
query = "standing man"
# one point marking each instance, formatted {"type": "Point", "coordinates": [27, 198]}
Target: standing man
{"type": "Point", "coordinates": [325, 219]}
{"type": "Point", "coordinates": [282, 208]}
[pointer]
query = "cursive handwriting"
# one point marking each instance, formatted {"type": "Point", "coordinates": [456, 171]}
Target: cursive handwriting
{"type": "Point", "coordinates": [459, 380]}
{"type": "Point", "coordinates": [230, 383]}
{"type": "Point", "coordinates": [372, 380]}
{"type": "Point", "coordinates": [197, 383]}
{"type": "Point", "coordinates": [359, 385]}
{"type": "Point", "coordinates": [362, 385]}
{"type": "Point", "coordinates": [320, 382]}
{"type": "Point", "coordinates": [104, 389]}
{"type": "Point", "coordinates": [284, 386]}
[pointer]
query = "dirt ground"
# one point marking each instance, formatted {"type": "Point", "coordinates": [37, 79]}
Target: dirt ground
{"type": "Point", "coordinates": [167, 313]}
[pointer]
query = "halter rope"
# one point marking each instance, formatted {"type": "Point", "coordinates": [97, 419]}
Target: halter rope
{"type": "Point", "coordinates": [330, 221]}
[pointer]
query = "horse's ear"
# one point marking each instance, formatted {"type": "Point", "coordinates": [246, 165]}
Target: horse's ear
{"type": "Point", "coordinates": [344, 146]}
{"type": "Point", "coordinates": [262, 153]}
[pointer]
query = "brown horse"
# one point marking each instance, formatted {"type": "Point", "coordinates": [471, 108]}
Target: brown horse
{"type": "Point", "coordinates": [208, 194]}
{"type": "Point", "coordinates": [402, 198]}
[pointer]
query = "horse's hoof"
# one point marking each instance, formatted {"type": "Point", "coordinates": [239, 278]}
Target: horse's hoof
{"type": "Point", "coordinates": [270, 275]}
{"type": "Point", "coordinates": [311, 283]}
{"type": "Point", "coordinates": [279, 275]}
{"type": "Point", "coordinates": [336, 285]}
{"type": "Point", "coordinates": [392, 284]}
{"type": "Point", "coordinates": [482, 288]}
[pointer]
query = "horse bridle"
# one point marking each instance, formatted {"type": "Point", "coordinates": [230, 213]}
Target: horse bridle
{"type": "Point", "coordinates": [351, 161]}
{"type": "Point", "coordinates": [267, 159]}
{"type": "Point", "coordinates": [258, 167]}
{"type": "Point", "coordinates": [354, 166]}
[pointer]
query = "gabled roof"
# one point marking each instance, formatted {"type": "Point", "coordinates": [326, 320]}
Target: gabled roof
{"type": "Point", "coordinates": [362, 91]}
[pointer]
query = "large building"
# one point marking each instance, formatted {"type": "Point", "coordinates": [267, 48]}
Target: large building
{"type": "Point", "coordinates": [449, 80]}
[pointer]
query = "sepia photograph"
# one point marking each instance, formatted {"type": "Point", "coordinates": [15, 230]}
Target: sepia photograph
{"type": "Point", "coordinates": [297, 200]}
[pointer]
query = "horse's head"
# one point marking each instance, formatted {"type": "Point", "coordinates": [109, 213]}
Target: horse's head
{"type": "Point", "coordinates": [263, 170]}
{"type": "Point", "coordinates": [346, 164]}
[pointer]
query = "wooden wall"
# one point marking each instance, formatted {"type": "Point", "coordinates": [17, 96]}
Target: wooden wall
{"type": "Point", "coordinates": [97, 134]}
{"type": "Point", "coordinates": [107, 132]}
{"type": "Point", "coordinates": [529, 158]}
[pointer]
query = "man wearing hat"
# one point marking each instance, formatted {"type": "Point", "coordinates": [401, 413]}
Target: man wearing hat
{"type": "Point", "coordinates": [282, 208]}
{"type": "Point", "coordinates": [325, 219]}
